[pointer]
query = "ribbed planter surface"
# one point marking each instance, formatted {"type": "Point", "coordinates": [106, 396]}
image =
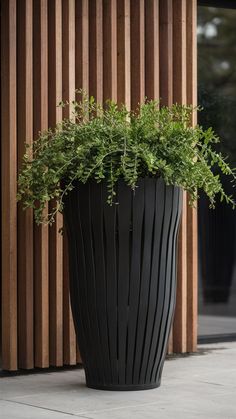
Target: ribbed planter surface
{"type": "Point", "coordinates": [123, 280]}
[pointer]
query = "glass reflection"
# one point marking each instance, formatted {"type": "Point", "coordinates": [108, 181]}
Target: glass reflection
{"type": "Point", "coordinates": [217, 228]}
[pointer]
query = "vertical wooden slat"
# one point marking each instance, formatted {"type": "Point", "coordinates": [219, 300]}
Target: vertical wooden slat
{"type": "Point", "coordinates": [81, 59]}
{"type": "Point", "coordinates": [166, 52]}
{"type": "Point", "coordinates": [123, 53]}
{"type": "Point", "coordinates": [8, 176]}
{"type": "Point", "coordinates": [192, 260]}
{"type": "Point", "coordinates": [110, 50]}
{"type": "Point", "coordinates": [25, 218]}
{"type": "Point", "coordinates": [40, 117]}
{"type": "Point", "coordinates": [55, 238]}
{"type": "Point", "coordinates": [179, 96]}
{"type": "Point", "coordinates": [166, 70]}
{"type": "Point", "coordinates": [152, 49]}
{"type": "Point", "coordinates": [96, 49]}
{"type": "Point", "coordinates": [137, 52]}
{"type": "Point", "coordinates": [82, 45]}
{"type": "Point", "coordinates": [68, 94]}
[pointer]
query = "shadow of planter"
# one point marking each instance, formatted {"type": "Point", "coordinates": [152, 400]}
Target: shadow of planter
{"type": "Point", "coordinates": [123, 280]}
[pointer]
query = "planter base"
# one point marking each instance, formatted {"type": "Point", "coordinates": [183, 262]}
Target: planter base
{"type": "Point", "coordinates": [117, 387]}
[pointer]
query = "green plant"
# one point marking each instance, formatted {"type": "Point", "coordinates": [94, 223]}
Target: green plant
{"type": "Point", "coordinates": [111, 143]}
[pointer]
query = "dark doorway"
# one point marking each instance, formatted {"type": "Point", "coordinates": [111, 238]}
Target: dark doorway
{"type": "Point", "coordinates": [217, 228]}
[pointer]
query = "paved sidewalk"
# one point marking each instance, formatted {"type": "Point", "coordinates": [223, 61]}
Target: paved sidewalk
{"type": "Point", "coordinates": [200, 386]}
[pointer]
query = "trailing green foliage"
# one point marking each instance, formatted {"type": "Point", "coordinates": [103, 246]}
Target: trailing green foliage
{"type": "Point", "coordinates": [111, 143]}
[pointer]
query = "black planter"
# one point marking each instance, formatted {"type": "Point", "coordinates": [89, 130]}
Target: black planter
{"type": "Point", "coordinates": [123, 280]}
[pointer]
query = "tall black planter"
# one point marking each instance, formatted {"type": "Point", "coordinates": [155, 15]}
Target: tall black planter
{"type": "Point", "coordinates": [123, 280]}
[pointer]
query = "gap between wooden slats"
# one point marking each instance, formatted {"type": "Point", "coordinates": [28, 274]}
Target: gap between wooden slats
{"type": "Point", "coordinates": [25, 218]}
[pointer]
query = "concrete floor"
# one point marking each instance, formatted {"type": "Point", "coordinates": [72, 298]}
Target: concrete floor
{"type": "Point", "coordinates": [200, 386]}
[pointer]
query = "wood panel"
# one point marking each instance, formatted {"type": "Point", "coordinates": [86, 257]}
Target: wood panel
{"type": "Point", "coordinates": [166, 52]}
{"type": "Point", "coordinates": [166, 70]}
{"type": "Point", "coordinates": [96, 49]}
{"type": "Point", "coordinates": [68, 94]}
{"type": "Point", "coordinates": [25, 218]}
{"type": "Point", "coordinates": [8, 188]}
{"type": "Point", "coordinates": [152, 49]}
{"type": "Point", "coordinates": [119, 49]}
{"type": "Point", "coordinates": [137, 52]}
{"type": "Point", "coordinates": [55, 238]}
{"type": "Point", "coordinates": [179, 96]}
{"type": "Point", "coordinates": [40, 121]}
{"type": "Point", "coordinates": [82, 45]}
{"type": "Point", "coordinates": [192, 244]}
{"type": "Point", "coordinates": [110, 50]}
{"type": "Point", "coordinates": [123, 53]}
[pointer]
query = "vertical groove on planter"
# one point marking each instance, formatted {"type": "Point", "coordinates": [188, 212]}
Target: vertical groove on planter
{"type": "Point", "coordinates": [169, 289]}
{"type": "Point", "coordinates": [149, 199]}
{"type": "Point", "coordinates": [177, 197]}
{"type": "Point", "coordinates": [111, 275]}
{"type": "Point", "coordinates": [137, 225]}
{"type": "Point", "coordinates": [74, 271]}
{"type": "Point", "coordinates": [123, 279]}
{"type": "Point", "coordinates": [124, 214]}
{"type": "Point", "coordinates": [163, 279]}
{"type": "Point", "coordinates": [166, 274]}
{"type": "Point", "coordinates": [96, 208]}
{"type": "Point", "coordinates": [91, 288]}
{"type": "Point", "coordinates": [155, 274]}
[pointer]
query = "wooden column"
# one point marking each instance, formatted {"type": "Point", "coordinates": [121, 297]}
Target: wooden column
{"type": "Point", "coordinates": [8, 184]}
{"type": "Point", "coordinates": [40, 115]}
{"type": "Point", "coordinates": [123, 53]}
{"type": "Point", "coordinates": [96, 49]}
{"type": "Point", "coordinates": [180, 96]}
{"type": "Point", "coordinates": [55, 238]}
{"type": "Point", "coordinates": [68, 94]}
{"type": "Point", "coordinates": [152, 49]}
{"type": "Point", "coordinates": [110, 50]}
{"type": "Point", "coordinates": [192, 245]}
{"type": "Point", "coordinates": [25, 218]}
{"type": "Point", "coordinates": [166, 52]}
{"type": "Point", "coordinates": [137, 52]}
{"type": "Point", "coordinates": [82, 45]}
{"type": "Point", "coordinates": [166, 71]}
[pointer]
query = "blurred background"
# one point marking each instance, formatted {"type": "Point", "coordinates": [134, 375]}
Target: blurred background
{"type": "Point", "coordinates": [217, 228]}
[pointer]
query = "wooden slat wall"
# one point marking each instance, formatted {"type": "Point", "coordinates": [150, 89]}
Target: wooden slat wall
{"type": "Point", "coordinates": [119, 49]}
